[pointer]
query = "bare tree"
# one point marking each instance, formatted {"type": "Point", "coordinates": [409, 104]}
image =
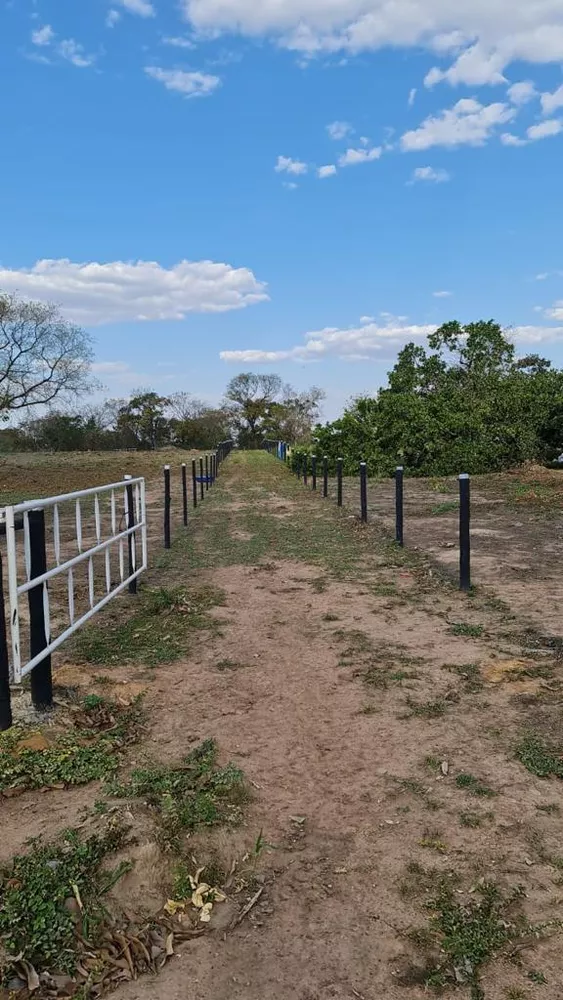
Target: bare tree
{"type": "Point", "coordinates": [185, 406]}
{"type": "Point", "coordinates": [42, 356]}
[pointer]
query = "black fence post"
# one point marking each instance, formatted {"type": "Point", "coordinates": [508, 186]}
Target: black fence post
{"type": "Point", "coordinates": [167, 505]}
{"type": "Point", "coordinates": [41, 678]}
{"type": "Point", "coordinates": [5, 703]}
{"type": "Point", "coordinates": [131, 538]}
{"type": "Point", "coordinates": [364, 492]}
{"type": "Point", "coordinates": [194, 484]}
{"type": "Point", "coordinates": [399, 505]}
{"type": "Point", "coordinates": [305, 468]}
{"type": "Point", "coordinates": [325, 476]}
{"type": "Point", "coordinates": [185, 494]}
{"type": "Point", "coordinates": [299, 462]}
{"type": "Point", "coordinates": [464, 533]}
{"type": "Point", "coordinates": [207, 472]}
{"type": "Point", "coordinates": [339, 481]}
{"type": "Point", "coordinates": [314, 471]}
{"type": "Point", "coordinates": [201, 486]}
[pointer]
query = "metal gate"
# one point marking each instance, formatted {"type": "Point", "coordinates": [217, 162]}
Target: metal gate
{"type": "Point", "coordinates": [100, 533]}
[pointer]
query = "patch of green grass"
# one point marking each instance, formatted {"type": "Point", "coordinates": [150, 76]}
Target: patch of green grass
{"type": "Point", "coordinates": [447, 507]}
{"type": "Point", "coordinates": [427, 709]}
{"type": "Point", "coordinates": [469, 673]}
{"type": "Point", "coordinates": [515, 993]}
{"type": "Point", "coordinates": [469, 783]}
{"type": "Point", "coordinates": [37, 921]}
{"type": "Point", "coordinates": [537, 977]}
{"type": "Point", "coordinates": [539, 757]}
{"type": "Point", "coordinates": [159, 631]}
{"type": "Point", "coordinates": [75, 757]}
{"type": "Point", "coordinates": [466, 629]}
{"type": "Point", "coordinates": [195, 792]}
{"type": "Point", "coordinates": [415, 787]}
{"type": "Point", "coordinates": [432, 840]}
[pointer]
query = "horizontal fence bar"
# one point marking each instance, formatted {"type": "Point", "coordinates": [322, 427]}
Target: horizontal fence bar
{"type": "Point", "coordinates": [19, 508]}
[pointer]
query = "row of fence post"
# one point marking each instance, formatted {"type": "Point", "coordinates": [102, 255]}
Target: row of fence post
{"type": "Point", "coordinates": [204, 473]}
{"type": "Point", "coordinates": [298, 462]}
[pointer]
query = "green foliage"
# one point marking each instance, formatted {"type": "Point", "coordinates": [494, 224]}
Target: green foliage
{"type": "Point", "coordinates": [195, 792]}
{"type": "Point", "coordinates": [466, 404]}
{"type": "Point", "coordinates": [471, 784]}
{"type": "Point", "coordinates": [465, 628]}
{"type": "Point", "coordinates": [36, 920]}
{"type": "Point", "coordinates": [539, 757]}
{"type": "Point", "coordinates": [158, 631]}
{"type": "Point", "coordinates": [74, 757]}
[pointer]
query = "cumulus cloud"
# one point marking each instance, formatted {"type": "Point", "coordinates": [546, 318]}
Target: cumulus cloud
{"type": "Point", "coordinates": [362, 155]}
{"type": "Point", "coordinates": [543, 130]}
{"type": "Point", "coordinates": [430, 174]}
{"type": "Point", "coordinates": [141, 7]}
{"type": "Point", "coordinates": [467, 123]}
{"type": "Point", "coordinates": [550, 102]}
{"type": "Point", "coordinates": [286, 165]}
{"type": "Point", "coordinates": [482, 38]}
{"type": "Point", "coordinates": [43, 36]}
{"type": "Point", "coordinates": [193, 84]}
{"type": "Point", "coordinates": [522, 93]}
{"type": "Point", "coordinates": [339, 130]}
{"type": "Point", "coordinates": [327, 171]}
{"type": "Point", "coordinates": [179, 41]}
{"type": "Point", "coordinates": [93, 293]}
{"type": "Point", "coordinates": [556, 311]}
{"type": "Point", "coordinates": [372, 340]}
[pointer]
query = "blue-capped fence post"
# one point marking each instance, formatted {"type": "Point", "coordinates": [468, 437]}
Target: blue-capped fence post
{"type": "Point", "coordinates": [464, 533]}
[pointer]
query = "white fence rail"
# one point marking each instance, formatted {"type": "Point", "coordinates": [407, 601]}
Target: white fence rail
{"type": "Point", "coordinates": [100, 533]}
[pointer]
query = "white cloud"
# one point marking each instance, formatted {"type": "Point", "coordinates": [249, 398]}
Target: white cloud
{"type": "Point", "coordinates": [544, 129]}
{"type": "Point", "coordinates": [141, 7]}
{"type": "Point", "coordinates": [194, 84]}
{"type": "Point", "coordinates": [467, 123]}
{"type": "Point", "coordinates": [93, 293]}
{"type": "Point", "coordinates": [556, 311]}
{"type": "Point", "coordinates": [412, 95]}
{"type": "Point", "coordinates": [179, 41]}
{"type": "Point", "coordinates": [508, 139]}
{"type": "Point", "coordinates": [113, 16]}
{"type": "Point", "coordinates": [442, 295]}
{"type": "Point", "coordinates": [550, 102]}
{"type": "Point", "coordinates": [289, 166]}
{"type": "Point", "coordinates": [328, 170]}
{"type": "Point", "coordinates": [339, 130]}
{"type": "Point", "coordinates": [549, 274]}
{"type": "Point", "coordinates": [372, 340]}
{"type": "Point", "coordinates": [74, 53]}
{"type": "Point", "coordinates": [290, 185]}
{"type": "Point", "coordinates": [354, 156]}
{"type": "Point", "coordinates": [522, 93]}
{"type": "Point", "coordinates": [43, 36]}
{"type": "Point", "coordinates": [432, 174]}
{"type": "Point", "coordinates": [483, 37]}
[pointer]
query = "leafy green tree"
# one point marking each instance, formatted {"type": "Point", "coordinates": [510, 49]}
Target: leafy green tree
{"type": "Point", "coordinates": [251, 399]}
{"type": "Point", "coordinates": [142, 423]}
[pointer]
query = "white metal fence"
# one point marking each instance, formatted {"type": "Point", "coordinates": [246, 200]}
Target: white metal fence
{"type": "Point", "coordinates": [99, 534]}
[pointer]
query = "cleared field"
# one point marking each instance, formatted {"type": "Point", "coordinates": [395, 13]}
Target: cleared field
{"type": "Point", "coordinates": [516, 537]}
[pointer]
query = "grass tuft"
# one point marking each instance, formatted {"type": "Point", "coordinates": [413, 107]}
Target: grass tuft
{"type": "Point", "coordinates": [539, 757]}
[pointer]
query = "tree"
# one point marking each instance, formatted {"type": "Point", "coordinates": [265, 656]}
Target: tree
{"type": "Point", "coordinates": [292, 418]}
{"type": "Point", "coordinates": [42, 356]}
{"type": "Point", "coordinates": [185, 406]}
{"type": "Point", "coordinates": [252, 397]}
{"type": "Point", "coordinates": [203, 431]}
{"type": "Point", "coordinates": [142, 422]}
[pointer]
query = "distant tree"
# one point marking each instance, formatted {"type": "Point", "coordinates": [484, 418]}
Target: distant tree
{"type": "Point", "coordinates": [292, 418]}
{"type": "Point", "coordinates": [252, 397]}
{"type": "Point", "coordinates": [42, 356]}
{"type": "Point", "coordinates": [203, 431]}
{"type": "Point", "coordinates": [141, 422]}
{"type": "Point", "coordinates": [185, 406]}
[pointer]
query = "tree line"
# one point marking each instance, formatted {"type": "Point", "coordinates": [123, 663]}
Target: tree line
{"type": "Point", "coordinates": [46, 366]}
{"type": "Point", "coordinates": [468, 403]}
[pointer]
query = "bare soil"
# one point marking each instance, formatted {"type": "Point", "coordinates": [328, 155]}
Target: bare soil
{"type": "Point", "coordinates": [337, 648]}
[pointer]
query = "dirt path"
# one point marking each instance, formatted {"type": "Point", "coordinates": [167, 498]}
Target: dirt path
{"type": "Point", "coordinates": [328, 686]}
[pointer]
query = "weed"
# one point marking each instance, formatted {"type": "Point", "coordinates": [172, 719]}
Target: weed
{"type": "Point", "coordinates": [473, 819]}
{"type": "Point", "coordinates": [329, 617]}
{"type": "Point", "coordinates": [539, 757]}
{"type": "Point", "coordinates": [433, 763]}
{"type": "Point", "coordinates": [537, 977]}
{"type": "Point", "coordinates": [37, 921]}
{"type": "Point", "coordinates": [471, 784]}
{"type": "Point", "coordinates": [195, 792]}
{"type": "Point", "coordinates": [417, 788]}
{"type": "Point", "coordinates": [445, 508]}
{"type": "Point", "coordinates": [432, 839]}
{"type": "Point", "coordinates": [427, 709]}
{"type": "Point", "coordinates": [319, 584]}
{"type": "Point", "coordinates": [158, 632]}
{"type": "Point", "coordinates": [515, 993]}
{"type": "Point", "coordinates": [71, 758]}
{"type": "Point", "coordinates": [550, 808]}
{"type": "Point", "coordinates": [465, 628]}
{"type": "Point", "coordinates": [469, 674]}
{"type": "Point", "coordinates": [229, 665]}
{"type": "Point", "coordinates": [369, 710]}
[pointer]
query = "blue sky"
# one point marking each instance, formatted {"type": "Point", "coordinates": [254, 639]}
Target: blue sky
{"type": "Point", "coordinates": [301, 186]}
